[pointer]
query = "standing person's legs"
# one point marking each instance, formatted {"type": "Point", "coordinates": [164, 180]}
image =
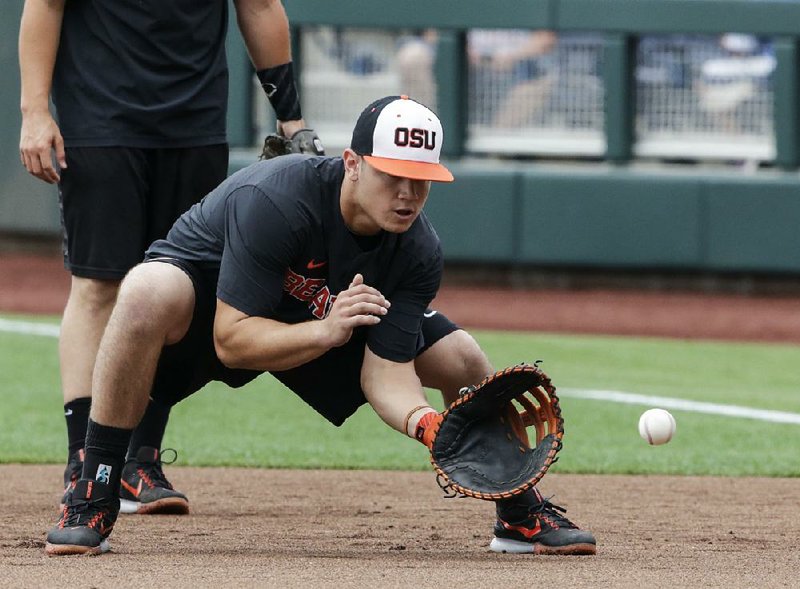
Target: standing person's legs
{"type": "Point", "coordinates": [155, 308]}
{"type": "Point", "coordinates": [115, 202]}
{"type": "Point", "coordinates": [85, 316]}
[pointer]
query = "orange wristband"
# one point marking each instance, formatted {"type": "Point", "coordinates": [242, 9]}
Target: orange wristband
{"type": "Point", "coordinates": [427, 428]}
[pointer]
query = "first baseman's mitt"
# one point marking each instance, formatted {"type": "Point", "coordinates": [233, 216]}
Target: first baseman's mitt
{"type": "Point", "coordinates": [303, 141]}
{"type": "Point", "coordinates": [481, 447]}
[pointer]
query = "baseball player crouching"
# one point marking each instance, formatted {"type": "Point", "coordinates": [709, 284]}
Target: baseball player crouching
{"type": "Point", "coordinates": [319, 270]}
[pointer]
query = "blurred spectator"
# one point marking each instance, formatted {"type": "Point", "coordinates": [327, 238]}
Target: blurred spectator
{"type": "Point", "coordinates": [732, 79]}
{"type": "Point", "coordinates": [358, 52]}
{"type": "Point", "coordinates": [415, 62]}
{"type": "Point", "coordinates": [511, 73]}
{"type": "Point", "coordinates": [665, 61]}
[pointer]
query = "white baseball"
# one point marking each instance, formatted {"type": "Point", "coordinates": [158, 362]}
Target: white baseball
{"type": "Point", "coordinates": [656, 426]}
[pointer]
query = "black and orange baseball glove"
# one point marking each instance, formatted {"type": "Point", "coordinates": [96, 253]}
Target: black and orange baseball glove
{"type": "Point", "coordinates": [480, 445]}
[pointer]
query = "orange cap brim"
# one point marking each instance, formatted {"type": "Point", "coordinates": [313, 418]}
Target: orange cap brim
{"type": "Point", "coordinates": [408, 169]}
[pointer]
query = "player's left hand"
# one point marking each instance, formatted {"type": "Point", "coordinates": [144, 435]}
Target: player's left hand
{"type": "Point", "coordinates": [359, 305]}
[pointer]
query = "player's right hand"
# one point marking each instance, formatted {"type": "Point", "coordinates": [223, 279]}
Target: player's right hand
{"type": "Point", "coordinates": [39, 137]}
{"type": "Point", "coordinates": [357, 306]}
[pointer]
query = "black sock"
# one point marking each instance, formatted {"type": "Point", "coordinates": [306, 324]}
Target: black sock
{"type": "Point", "coordinates": [76, 412]}
{"type": "Point", "coordinates": [518, 506]}
{"type": "Point", "coordinates": [105, 453]}
{"type": "Point", "coordinates": [150, 431]}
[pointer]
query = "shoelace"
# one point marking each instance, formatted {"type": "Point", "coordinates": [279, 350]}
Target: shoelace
{"type": "Point", "coordinates": [552, 512]}
{"type": "Point", "coordinates": [152, 471]}
{"type": "Point", "coordinates": [82, 507]}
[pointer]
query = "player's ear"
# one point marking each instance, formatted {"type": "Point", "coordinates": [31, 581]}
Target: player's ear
{"type": "Point", "coordinates": [352, 164]}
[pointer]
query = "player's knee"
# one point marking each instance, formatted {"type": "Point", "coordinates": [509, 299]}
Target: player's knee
{"type": "Point", "coordinates": [469, 356]}
{"type": "Point", "coordinates": [154, 296]}
{"type": "Point", "coordinates": [453, 362]}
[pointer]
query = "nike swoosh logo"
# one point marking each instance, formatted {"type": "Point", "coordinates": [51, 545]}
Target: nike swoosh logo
{"type": "Point", "coordinates": [312, 265]}
{"type": "Point", "coordinates": [68, 412]}
{"type": "Point", "coordinates": [429, 314]}
{"type": "Point", "coordinates": [527, 532]}
{"type": "Point", "coordinates": [135, 492]}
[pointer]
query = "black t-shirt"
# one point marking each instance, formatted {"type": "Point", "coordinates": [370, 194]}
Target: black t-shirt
{"type": "Point", "coordinates": [142, 73]}
{"type": "Point", "coordinates": [275, 236]}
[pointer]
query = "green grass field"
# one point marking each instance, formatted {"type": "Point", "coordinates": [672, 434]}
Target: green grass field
{"type": "Point", "coordinates": [264, 425]}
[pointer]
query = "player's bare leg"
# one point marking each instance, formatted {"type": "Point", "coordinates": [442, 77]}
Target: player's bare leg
{"type": "Point", "coordinates": [453, 362]}
{"type": "Point", "coordinates": [155, 306]}
{"type": "Point", "coordinates": [85, 317]}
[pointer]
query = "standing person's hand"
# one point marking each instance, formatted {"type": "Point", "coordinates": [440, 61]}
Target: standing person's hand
{"type": "Point", "coordinates": [39, 138]}
{"type": "Point", "coordinates": [289, 128]}
{"type": "Point", "coordinates": [300, 138]}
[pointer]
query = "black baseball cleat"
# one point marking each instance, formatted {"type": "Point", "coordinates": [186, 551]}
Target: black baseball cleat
{"type": "Point", "coordinates": [144, 488]}
{"type": "Point", "coordinates": [71, 474]}
{"type": "Point", "coordinates": [531, 524]}
{"type": "Point", "coordinates": [89, 513]}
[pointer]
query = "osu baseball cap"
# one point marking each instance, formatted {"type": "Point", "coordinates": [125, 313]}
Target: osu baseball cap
{"type": "Point", "coordinates": [401, 137]}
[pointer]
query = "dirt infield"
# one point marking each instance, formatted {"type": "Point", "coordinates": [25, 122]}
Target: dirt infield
{"type": "Point", "coordinates": [277, 528]}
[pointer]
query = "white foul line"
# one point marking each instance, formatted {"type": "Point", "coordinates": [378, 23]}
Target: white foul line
{"type": "Point", "coordinates": [50, 330]}
{"type": "Point", "coordinates": [28, 328]}
{"type": "Point", "coordinates": [684, 405]}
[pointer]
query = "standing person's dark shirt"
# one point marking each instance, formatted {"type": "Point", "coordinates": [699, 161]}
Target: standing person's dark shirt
{"type": "Point", "coordinates": [142, 73]}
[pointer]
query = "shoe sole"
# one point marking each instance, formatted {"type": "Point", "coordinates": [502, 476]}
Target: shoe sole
{"type": "Point", "coordinates": [504, 545]}
{"type": "Point", "coordinates": [77, 549]}
{"type": "Point", "coordinates": [166, 506]}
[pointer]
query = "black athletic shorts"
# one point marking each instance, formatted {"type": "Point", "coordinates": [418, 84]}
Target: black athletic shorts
{"type": "Point", "coordinates": [115, 201]}
{"type": "Point", "coordinates": [330, 384]}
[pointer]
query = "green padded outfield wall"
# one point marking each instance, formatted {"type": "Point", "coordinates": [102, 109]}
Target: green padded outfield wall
{"type": "Point", "coordinates": [475, 217]}
{"type": "Point", "coordinates": [587, 216]}
{"type": "Point", "coordinates": [752, 225]}
{"type": "Point", "coordinates": [610, 219]}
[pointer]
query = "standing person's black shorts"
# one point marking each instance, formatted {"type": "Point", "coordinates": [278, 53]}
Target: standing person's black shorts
{"type": "Point", "coordinates": [330, 384]}
{"type": "Point", "coordinates": [115, 201]}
